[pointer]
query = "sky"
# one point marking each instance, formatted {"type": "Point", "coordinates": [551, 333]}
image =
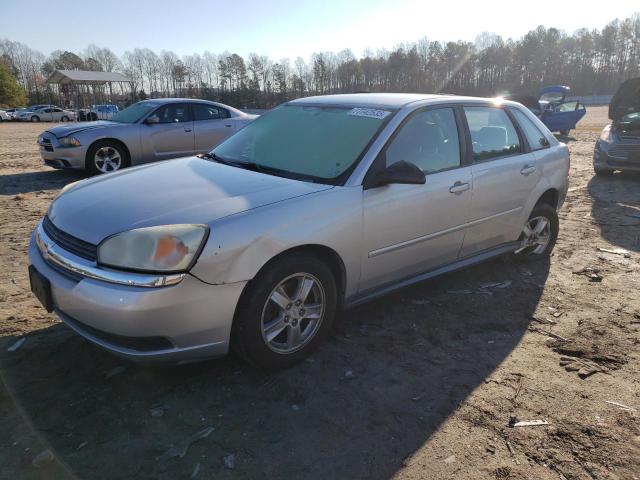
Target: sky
{"type": "Point", "coordinates": [285, 28]}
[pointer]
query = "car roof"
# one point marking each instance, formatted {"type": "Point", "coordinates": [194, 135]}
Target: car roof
{"type": "Point", "coordinates": [381, 100]}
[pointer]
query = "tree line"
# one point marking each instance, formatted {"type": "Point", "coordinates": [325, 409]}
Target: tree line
{"type": "Point", "coordinates": [590, 61]}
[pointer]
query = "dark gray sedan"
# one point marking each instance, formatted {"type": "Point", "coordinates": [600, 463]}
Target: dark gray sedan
{"type": "Point", "coordinates": [144, 132]}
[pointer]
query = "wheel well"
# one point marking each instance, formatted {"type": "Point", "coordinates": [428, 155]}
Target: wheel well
{"type": "Point", "coordinates": [550, 197]}
{"type": "Point", "coordinates": [327, 255]}
{"type": "Point", "coordinates": [114, 140]}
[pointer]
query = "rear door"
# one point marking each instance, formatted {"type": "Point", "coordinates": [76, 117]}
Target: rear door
{"type": "Point", "coordinates": [505, 172]}
{"type": "Point", "coordinates": [211, 126]}
{"type": "Point", "coordinates": [173, 136]}
{"type": "Point", "coordinates": [410, 229]}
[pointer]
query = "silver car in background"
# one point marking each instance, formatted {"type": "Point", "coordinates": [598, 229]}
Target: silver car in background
{"type": "Point", "coordinates": [320, 204]}
{"type": "Point", "coordinates": [146, 131]}
{"type": "Point", "coordinates": [48, 113]}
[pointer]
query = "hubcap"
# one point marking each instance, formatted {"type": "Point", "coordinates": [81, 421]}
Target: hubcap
{"type": "Point", "coordinates": [536, 235]}
{"type": "Point", "coordinates": [293, 313]}
{"type": "Point", "coordinates": [107, 159]}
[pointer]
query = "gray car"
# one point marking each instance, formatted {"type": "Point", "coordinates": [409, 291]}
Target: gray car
{"type": "Point", "coordinates": [146, 131]}
{"type": "Point", "coordinates": [321, 204]}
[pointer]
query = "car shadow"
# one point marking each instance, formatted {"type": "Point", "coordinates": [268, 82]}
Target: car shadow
{"type": "Point", "coordinates": [615, 208]}
{"type": "Point", "coordinates": [15, 183]}
{"type": "Point", "coordinates": [387, 379]}
{"type": "Point", "coordinates": [564, 138]}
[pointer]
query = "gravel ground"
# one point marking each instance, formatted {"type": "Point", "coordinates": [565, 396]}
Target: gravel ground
{"type": "Point", "coordinates": [420, 384]}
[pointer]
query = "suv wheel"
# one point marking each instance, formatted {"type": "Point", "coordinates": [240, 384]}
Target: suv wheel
{"type": "Point", "coordinates": [105, 157]}
{"type": "Point", "coordinates": [539, 234]}
{"type": "Point", "coordinates": [286, 312]}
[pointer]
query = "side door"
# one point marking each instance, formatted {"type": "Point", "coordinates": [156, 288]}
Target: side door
{"type": "Point", "coordinates": [211, 125]}
{"type": "Point", "coordinates": [171, 136]}
{"type": "Point", "coordinates": [411, 229]}
{"type": "Point", "coordinates": [505, 172]}
{"type": "Point", "coordinates": [56, 114]}
{"type": "Point", "coordinates": [46, 114]}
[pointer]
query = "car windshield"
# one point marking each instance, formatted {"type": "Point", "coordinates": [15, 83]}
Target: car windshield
{"type": "Point", "coordinates": [134, 112]}
{"type": "Point", "coordinates": [314, 142]}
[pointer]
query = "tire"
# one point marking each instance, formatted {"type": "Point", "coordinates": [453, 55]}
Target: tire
{"type": "Point", "coordinates": [532, 248]}
{"type": "Point", "coordinates": [602, 172]}
{"type": "Point", "coordinates": [35, 118]}
{"type": "Point", "coordinates": [564, 132]}
{"type": "Point", "coordinates": [109, 151]}
{"type": "Point", "coordinates": [64, 119]}
{"type": "Point", "coordinates": [92, 117]}
{"type": "Point", "coordinates": [257, 309]}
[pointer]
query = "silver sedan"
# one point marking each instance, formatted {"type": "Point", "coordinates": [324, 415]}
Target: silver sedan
{"type": "Point", "coordinates": [320, 204]}
{"type": "Point", "coordinates": [147, 131]}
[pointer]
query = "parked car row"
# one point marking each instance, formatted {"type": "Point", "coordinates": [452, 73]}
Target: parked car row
{"type": "Point", "coordinates": [320, 204]}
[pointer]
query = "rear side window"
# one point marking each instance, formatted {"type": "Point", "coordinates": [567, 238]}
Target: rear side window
{"type": "Point", "coordinates": [429, 140]}
{"type": "Point", "coordinates": [208, 112]}
{"type": "Point", "coordinates": [535, 137]}
{"type": "Point", "coordinates": [492, 133]}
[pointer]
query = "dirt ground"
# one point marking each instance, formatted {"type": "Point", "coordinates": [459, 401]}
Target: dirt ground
{"type": "Point", "coordinates": [420, 384]}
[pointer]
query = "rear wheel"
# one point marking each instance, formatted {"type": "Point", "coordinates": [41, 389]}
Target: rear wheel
{"type": "Point", "coordinates": [539, 234]}
{"type": "Point", "coordinates": [106, 156]}
{"type": "Point", "coordinates": [286, 312]}
{"type": "Point", "coordinates": [35, 118]}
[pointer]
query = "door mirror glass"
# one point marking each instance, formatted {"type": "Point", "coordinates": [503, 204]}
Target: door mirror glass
{"type": "Point", "coordinates": [399, 172]}
{"type": "Point", "coordinates": [151, 119]}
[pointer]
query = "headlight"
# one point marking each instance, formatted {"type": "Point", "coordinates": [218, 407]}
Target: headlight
{"type": "Point", "coordinates": [69, 142]}
{"type": "Point", "coordinates": [605, 136]}
{"type": "Point", "coordinates": [165, 248]}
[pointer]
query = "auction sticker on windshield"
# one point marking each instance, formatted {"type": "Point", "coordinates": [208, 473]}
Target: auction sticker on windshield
{"type": "Point", "coordinates": [368, 112]}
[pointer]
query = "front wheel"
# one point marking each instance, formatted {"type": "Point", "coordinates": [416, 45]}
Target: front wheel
{"type": "Point", "coordinates": [64, 119]}
{"type": "Point", "coordinates": [539, 234]}
{"type": "Point", "coordinates": [286, 312]}
{"type": "Point", "coordinates": [105, 157]}
{"type": "Point", "coordinates": [35, 118]}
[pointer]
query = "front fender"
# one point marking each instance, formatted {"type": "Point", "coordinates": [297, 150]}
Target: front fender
{"type": "Point", "coordinates": [241, 244]}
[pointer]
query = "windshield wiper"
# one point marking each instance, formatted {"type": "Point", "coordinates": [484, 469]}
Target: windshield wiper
{"type": "Point", "coordinates": [256, 167]}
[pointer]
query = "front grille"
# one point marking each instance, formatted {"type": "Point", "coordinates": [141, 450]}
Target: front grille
{"type": "Point", "coordinates": [70, 243]}
{"type": "Point", "coordinates": [141, 344]}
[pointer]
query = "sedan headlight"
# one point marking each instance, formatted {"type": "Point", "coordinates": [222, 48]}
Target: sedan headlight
{"type": "Point", "coordinates": [605, 136]}
{"type": "Point", "coordinates": [69, 142]}
{"type": "Point", "coordinates": [165, 248]}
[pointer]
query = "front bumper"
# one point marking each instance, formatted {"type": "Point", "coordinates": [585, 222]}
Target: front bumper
{"type": "Point", "coordinates": [57, 156]}
{"type": "Point", "coordinates": [181, 323]}
{"type": "Point", "coordinates": [621, 154]}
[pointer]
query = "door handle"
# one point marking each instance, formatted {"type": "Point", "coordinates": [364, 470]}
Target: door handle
{"type": "Point", "coordinates": [459, 187]}
{"type": "Point", "coordinates": [187, 129]}
{"type": "Point", "coordinates": [528, 170]}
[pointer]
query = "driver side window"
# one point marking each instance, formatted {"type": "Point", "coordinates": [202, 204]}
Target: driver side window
{"type": "Point", "coordinates": [429, 140]}
{"type": "Point", "coordinates": [174, 113]}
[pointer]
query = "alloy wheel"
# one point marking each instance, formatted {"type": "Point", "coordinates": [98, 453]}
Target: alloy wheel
{"type": "Point", "coordinates": [536, 235]}
{"type": "Point", "coordinates": [293, 313]}
{"type": "Point", "coordinates": [107, 159]}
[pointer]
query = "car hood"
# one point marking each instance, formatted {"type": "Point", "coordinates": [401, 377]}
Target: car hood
{"type": "Point", "coordinates": [64, 130]}
{"type": "Point", "coordinates": [626, 100]}
{"type": "Point", "coordinates": [186, 190]}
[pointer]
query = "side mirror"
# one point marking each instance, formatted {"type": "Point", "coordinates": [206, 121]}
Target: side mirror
{"type": "Point", "coordinates": [399, 172]}
{"type": "Point", "coordinates": [150, 120]}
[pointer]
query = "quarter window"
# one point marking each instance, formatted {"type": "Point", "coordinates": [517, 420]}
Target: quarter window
{"type": "Point", "coordinates": [535, 137]}
{"type": "Point", "coordinates": [208, 112]}
{"type": "Point", "coordinates": [174, 113]}
{"type": "Point", "coordinates": [492, 133]}
{"type": "Point", "coordinates": [429, 140]}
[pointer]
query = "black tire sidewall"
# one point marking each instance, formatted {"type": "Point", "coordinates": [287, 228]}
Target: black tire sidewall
{"type": "Point", "coordinates": [89, 160]}
{"type": "Point", "coordinates": [247, 339]}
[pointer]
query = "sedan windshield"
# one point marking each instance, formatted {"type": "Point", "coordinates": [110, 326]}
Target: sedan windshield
{"type": "Point", "coordinates": [134, 112]}
{"type": "Point", "coordinates": [314, 142]}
